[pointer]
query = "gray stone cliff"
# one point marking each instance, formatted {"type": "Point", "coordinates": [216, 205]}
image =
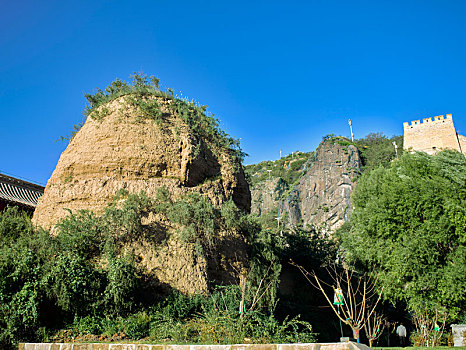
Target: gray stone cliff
{"type": "Point", "coordinates": [321, 196]}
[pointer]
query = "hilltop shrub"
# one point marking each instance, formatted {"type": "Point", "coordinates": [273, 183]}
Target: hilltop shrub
{"type": "Point", "coordinates": [143, 93]}
{"type": "Point", "coordinates": [377, 149]}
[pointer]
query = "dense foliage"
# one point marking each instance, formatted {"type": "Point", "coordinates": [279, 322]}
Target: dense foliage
{"type": "Point", "coordinates": [82, 280]}
{"type": "Point", "coordinates": [377, 150]}
{"type": "Point", "coordinates": [196, 319]}
{"type": "Point", "coordinates": [409, 224]}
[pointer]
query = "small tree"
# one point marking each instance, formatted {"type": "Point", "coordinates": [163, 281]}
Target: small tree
{"type": "Point", "coordinates": [374, 327]}
{"type": "Point", "coordinates": [430, 324]}
{"type": "Point", "coordinates": [355, 295]}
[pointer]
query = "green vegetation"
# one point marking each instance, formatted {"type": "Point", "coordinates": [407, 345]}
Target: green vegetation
{"type": "Point", "coordinates": [199, 319]}
{"type": "Point", "coordinates": [375, 149]}
{"type": "Point", "coordinates": [289, 168]}
{"type": "Point", "coordinates": [378, 150]}
{"type": "Point", "coordinates": [82, 281]}
{"type": "Point", "coordinates": [144, 94]}
{"type": "Point", "coordinates": [409, 225]}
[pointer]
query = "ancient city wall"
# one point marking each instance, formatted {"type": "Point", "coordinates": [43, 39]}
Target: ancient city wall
{"type": "Point", "coordinates": [462, 141]}
{"type": "Point", "coordinates": [431, 136]}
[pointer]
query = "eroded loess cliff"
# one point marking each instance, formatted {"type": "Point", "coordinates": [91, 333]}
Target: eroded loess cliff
{"type": "Point", "coordinates": [121, 147]}
{"type": "Point", "coordinates": [319, 197]}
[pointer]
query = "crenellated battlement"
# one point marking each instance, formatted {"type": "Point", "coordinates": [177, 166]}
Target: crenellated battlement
{"type": "Point", "coordinates": [428, 121]}
{"type": "Point", "coordinates": [432, 135]}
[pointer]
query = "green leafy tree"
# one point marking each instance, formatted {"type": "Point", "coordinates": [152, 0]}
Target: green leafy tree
{"type": "Point", "coordinates": [377, 149]}
{"type": "Point", "coordinates": [72, 282]}
{"type": "Point", "coordinates": [408, 225]}
{"type": "Point", "coordinates": [20, 272]}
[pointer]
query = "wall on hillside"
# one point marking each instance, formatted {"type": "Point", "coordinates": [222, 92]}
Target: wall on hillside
{"type": "Point", "coordinates": [431, 136]}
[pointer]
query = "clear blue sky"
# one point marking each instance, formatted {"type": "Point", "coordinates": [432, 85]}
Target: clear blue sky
{"type": "Point", "coordinates": [278, 74]}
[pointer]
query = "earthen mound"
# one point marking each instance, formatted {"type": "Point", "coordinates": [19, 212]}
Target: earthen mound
{"type": "Point", "coordinates": [142, 142]}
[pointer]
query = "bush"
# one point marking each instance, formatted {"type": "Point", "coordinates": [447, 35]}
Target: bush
{"type": "Point", "coordinates": [13, 224]}
{"type": "Point", "coordinates": [81, 279]}
{"type": "Point", "coordinates": [137, 326]}
{"type": "Point", "coordinates": [72, 282]}
{"type": "Point", "coordinates": [143, 93]}
{"type": "Point", "coordinates": [122, 284]}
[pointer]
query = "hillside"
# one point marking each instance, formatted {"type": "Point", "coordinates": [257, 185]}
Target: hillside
{"type": "Point", "coordinates": [313, 189]}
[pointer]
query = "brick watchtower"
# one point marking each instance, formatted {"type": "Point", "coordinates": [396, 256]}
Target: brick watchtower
{"type": "Point", "coordinates": [431, 136]}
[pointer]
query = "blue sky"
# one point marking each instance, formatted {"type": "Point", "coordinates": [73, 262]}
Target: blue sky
{"type": "Point", "coordinates": [278, 74]}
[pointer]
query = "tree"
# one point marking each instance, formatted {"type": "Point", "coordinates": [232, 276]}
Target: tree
{"type": "Point", "coordinates": [428, 330]}
{"type": "Point", "coordinates": [408, 224]}
{"type": "Point", "coordinates": [377, 149]}
{"type": "Point", "coordinates": [355, 295]}
{"type": "Point", "coordinates": [374, 327]}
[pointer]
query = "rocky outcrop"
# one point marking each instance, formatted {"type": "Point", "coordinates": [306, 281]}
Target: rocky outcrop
{"type": "Point", "coordinates": [321, 197]}
{"type": "Point", "coordinates": [267, 194]}
{"type": "Point", "coordinates": [124, 151]}
{"type": "Point", "coordinates": [121, 151]}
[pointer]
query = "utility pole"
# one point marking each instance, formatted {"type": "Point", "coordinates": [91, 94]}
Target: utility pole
{"type": "Point", "coordinates": [280, 154]}
{"type": "Point", "coordinates": [396, 148]}
{"type": "Point", "coordinates": [351, 129]}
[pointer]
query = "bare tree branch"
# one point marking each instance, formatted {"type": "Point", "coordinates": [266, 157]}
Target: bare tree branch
{"type": "Point", "coordinates": [358, 292]}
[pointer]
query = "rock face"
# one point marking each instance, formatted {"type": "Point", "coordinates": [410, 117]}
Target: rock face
{"type": "Point", "coordinates": [321, 197]}
{"type": "Point", "coordinates": [124, 151]}
{"type": "Point", "coordinates": [267, 194]}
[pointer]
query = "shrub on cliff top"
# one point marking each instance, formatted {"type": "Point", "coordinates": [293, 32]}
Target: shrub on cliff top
{"type": "Point", "coordinates": [142, 93]}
